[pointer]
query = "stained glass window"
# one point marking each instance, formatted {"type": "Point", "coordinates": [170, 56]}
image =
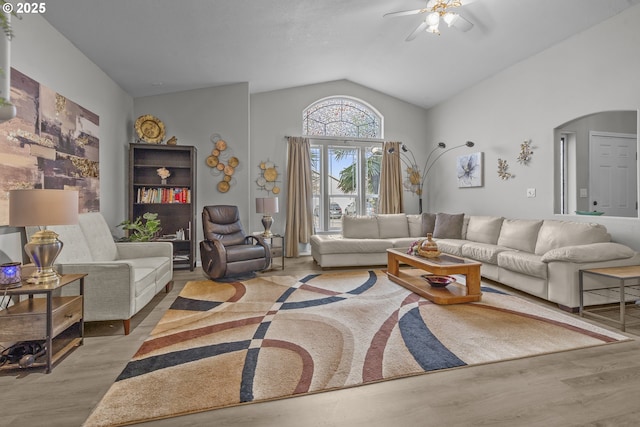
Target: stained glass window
{"type": "Point", "coordinates": [341, 116]}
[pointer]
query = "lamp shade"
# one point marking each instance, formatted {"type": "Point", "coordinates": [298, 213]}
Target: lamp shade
{"type": "Point", "coordinates": [267, 205]}
{"type": "Point", "coordinates": [42, 207]}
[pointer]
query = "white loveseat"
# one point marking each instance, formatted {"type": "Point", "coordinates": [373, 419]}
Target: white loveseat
{"type": "Point", "coordinates": [540, 257]}
{"type": "Point", "coordinates": [122, 277]}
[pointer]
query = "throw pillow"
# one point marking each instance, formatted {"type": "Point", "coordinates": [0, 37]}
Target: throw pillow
{"type": "Point", "coordinates": [393, 225]}
{"type": "Point", "coordinates": [428, 223]}
{"type": "Point", "coordinates": [448, 226]}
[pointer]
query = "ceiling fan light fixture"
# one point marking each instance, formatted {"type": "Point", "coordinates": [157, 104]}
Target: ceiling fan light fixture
{"type": "Point", "coordinates": [433, 19]}
{"type": "Point", "coordinates": [433, 29]}
{"type": "Point", "coordinates": [450, 18]}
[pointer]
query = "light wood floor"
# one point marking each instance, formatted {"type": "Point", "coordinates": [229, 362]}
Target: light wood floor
{"type": "Point", "coordinates": [597, 386]}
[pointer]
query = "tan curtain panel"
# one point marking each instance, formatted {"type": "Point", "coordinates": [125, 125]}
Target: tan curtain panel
{"type": "Point", "coordinates": [299, 196]}
{"type": "Point", "coordinates": [390, 198]}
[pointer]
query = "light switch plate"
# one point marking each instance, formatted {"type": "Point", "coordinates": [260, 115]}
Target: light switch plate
{"type": "Point", "coordinates": [531, 192]}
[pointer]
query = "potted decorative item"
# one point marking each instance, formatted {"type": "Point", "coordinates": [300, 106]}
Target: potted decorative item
{"type": "Point", "coordinates": [143, 229]}
{"type": "Point", "coordinates": [163, 173]}
{"type": "Point", "coordinates": [428, 248]}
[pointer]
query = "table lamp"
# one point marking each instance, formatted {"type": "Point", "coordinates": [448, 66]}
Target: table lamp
{"type": "Point", "coordinates": [42, 208]}
{"type": "Point", "coordinates": [267, 206]}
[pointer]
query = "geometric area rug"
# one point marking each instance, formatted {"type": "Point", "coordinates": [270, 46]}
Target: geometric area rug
{"type": "Point", "coordinates": [224, 344]}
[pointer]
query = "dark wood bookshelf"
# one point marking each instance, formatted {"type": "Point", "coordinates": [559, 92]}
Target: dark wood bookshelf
{"type": "Point", "coordinates": [174, 200]}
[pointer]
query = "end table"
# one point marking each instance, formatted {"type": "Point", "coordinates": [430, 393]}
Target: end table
{"type": "Point", "coordinates": [623, 283]}
{"type": "Point", "coordinates": [34, 319]}
{"type": "Point", "coordinates": [276, 244]}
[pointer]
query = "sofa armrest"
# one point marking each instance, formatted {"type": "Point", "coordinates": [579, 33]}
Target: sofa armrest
{"type": "Point", "coordinates": [109, 289]}
{"type": "Point", "coordinates": [593, 252]}
{"type": "Point", "coordinates": [130, 250]}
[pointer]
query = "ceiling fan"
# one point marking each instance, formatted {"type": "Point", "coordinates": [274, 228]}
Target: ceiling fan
{"type": "Point", "coordinates": [436, 10]}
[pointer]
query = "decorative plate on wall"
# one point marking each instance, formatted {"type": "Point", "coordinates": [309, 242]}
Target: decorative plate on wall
{"type": "Point", "coordinates": [150, 129]}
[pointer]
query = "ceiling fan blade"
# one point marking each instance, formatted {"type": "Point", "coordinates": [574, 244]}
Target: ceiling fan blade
{"type": "Point", "coordinates": [417, 31]}
{"type": "Point", "coordinates": [404, 13]}
{"type": "Point", "coordinates": [461, 23]}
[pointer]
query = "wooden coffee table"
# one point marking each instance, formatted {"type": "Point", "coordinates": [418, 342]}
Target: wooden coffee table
{"type": "Point", "coordinates": [454, 293]}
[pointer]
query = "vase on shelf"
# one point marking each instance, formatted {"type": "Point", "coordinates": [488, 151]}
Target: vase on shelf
{"type": "Point", "coordinates": [164, 182]}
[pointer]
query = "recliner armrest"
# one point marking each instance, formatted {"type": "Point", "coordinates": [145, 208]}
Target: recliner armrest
{"type": "Point", "coordinates": [260, 241]}
{"type": "Point", "coordinates": [214, 258]}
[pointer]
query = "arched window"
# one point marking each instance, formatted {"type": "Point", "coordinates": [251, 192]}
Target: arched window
{"type": "Point", "coordinates": [342, 116]}
{"type": "Point", "coordinates": [345, 172]}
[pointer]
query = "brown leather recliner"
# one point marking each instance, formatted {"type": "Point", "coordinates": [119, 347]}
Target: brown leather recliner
{"type": "Point", "coordinates": [227, 251]}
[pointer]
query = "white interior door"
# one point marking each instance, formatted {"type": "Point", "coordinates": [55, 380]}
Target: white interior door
{"type": "Point", "coordinates": [613, 173]}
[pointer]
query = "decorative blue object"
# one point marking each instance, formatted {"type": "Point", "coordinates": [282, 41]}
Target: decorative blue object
{"type": "Point", "coordinates": [10, 273]}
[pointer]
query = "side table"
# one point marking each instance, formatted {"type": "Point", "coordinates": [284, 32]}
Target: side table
{"type": "Point", "coordinates": [626, 283]}
{"type": "Point", "coordinates": [276, 243]}
{"type": "Point", "coordinates": [47, 319]}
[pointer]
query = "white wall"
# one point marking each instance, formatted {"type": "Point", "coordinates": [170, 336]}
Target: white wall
{"type": "Point", "coordinates": [596, 70]}
{"type": "Point", "coordinates": [277, 114]}
{"type": "Point", "coordinates": [193, 116]}
{"type": "Point", "coordinates": [42, 53]}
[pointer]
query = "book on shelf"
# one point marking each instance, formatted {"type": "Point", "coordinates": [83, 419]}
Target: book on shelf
{"type": "Point", "coordinates": [163, 195]}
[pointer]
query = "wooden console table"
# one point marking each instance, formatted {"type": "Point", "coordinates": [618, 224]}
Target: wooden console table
{"type": "Point", "coordinates": [454, 293]}
{"type": "Point", "coordinates": [49, 319]}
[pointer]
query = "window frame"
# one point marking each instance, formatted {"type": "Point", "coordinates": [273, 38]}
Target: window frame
{"type": "Point", "coordinates": [325, 142]}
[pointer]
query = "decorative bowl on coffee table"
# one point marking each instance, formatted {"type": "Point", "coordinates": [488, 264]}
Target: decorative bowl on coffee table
{"type": "Point", "coordinates": [438, 281]}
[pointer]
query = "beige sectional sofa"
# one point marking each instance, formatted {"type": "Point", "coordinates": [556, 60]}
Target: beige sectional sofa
{"type": "Point", "coordinates": [540, 257]}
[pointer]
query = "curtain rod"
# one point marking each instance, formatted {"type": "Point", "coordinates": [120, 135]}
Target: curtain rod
{"type": "Point", "coordinates": [339, 139]}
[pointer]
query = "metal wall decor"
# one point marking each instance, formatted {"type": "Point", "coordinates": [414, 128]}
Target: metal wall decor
{"type": "Point", "coordinates": [222, 163]}
{"type": "Point", "coordinates": [268, 178]}
{"type": "Point", "coordinates": [525, 152]}
{"type": "Point", "coordinates": [502, 170]}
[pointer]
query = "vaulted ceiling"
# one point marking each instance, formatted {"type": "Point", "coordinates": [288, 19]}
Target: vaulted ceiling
{"type": "Point", "coordinates": [151, 47]}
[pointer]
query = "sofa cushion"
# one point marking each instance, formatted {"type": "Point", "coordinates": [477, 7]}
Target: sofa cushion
{"type": "Point", "coordinates": [520, 234]}
{"type": "Point", "coordinates": [556, 234]}
{"type": "Point", "coordinates": [336, 244]}
{"type": "Point", "coordinates": [483, 252]}
{"type": "Point", "coordinates": [484, 229]}
{"type": "Point", "coordinates": [360, 227]}
{"type": "Point", "coordinates": [74, 246]}
{"type": "Point", "coordinates": [523, 262]}
{"type": "Point", "coordinates": [98, 235]}
{"type": "Point", "coordinates": [393, 225]}
{"type": "Point", "coordinates": [451, 246]}
{"type": "Point", "coordinates": [465, 225]}
{"type": "Point", "coordinates": [415, 225]}
{"type": "Point", "coordinates": [448, 226]}
{"type": "Point", "coordinates": [402, 242]}
{"type": "Point", "coordinates": [594, 252]}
